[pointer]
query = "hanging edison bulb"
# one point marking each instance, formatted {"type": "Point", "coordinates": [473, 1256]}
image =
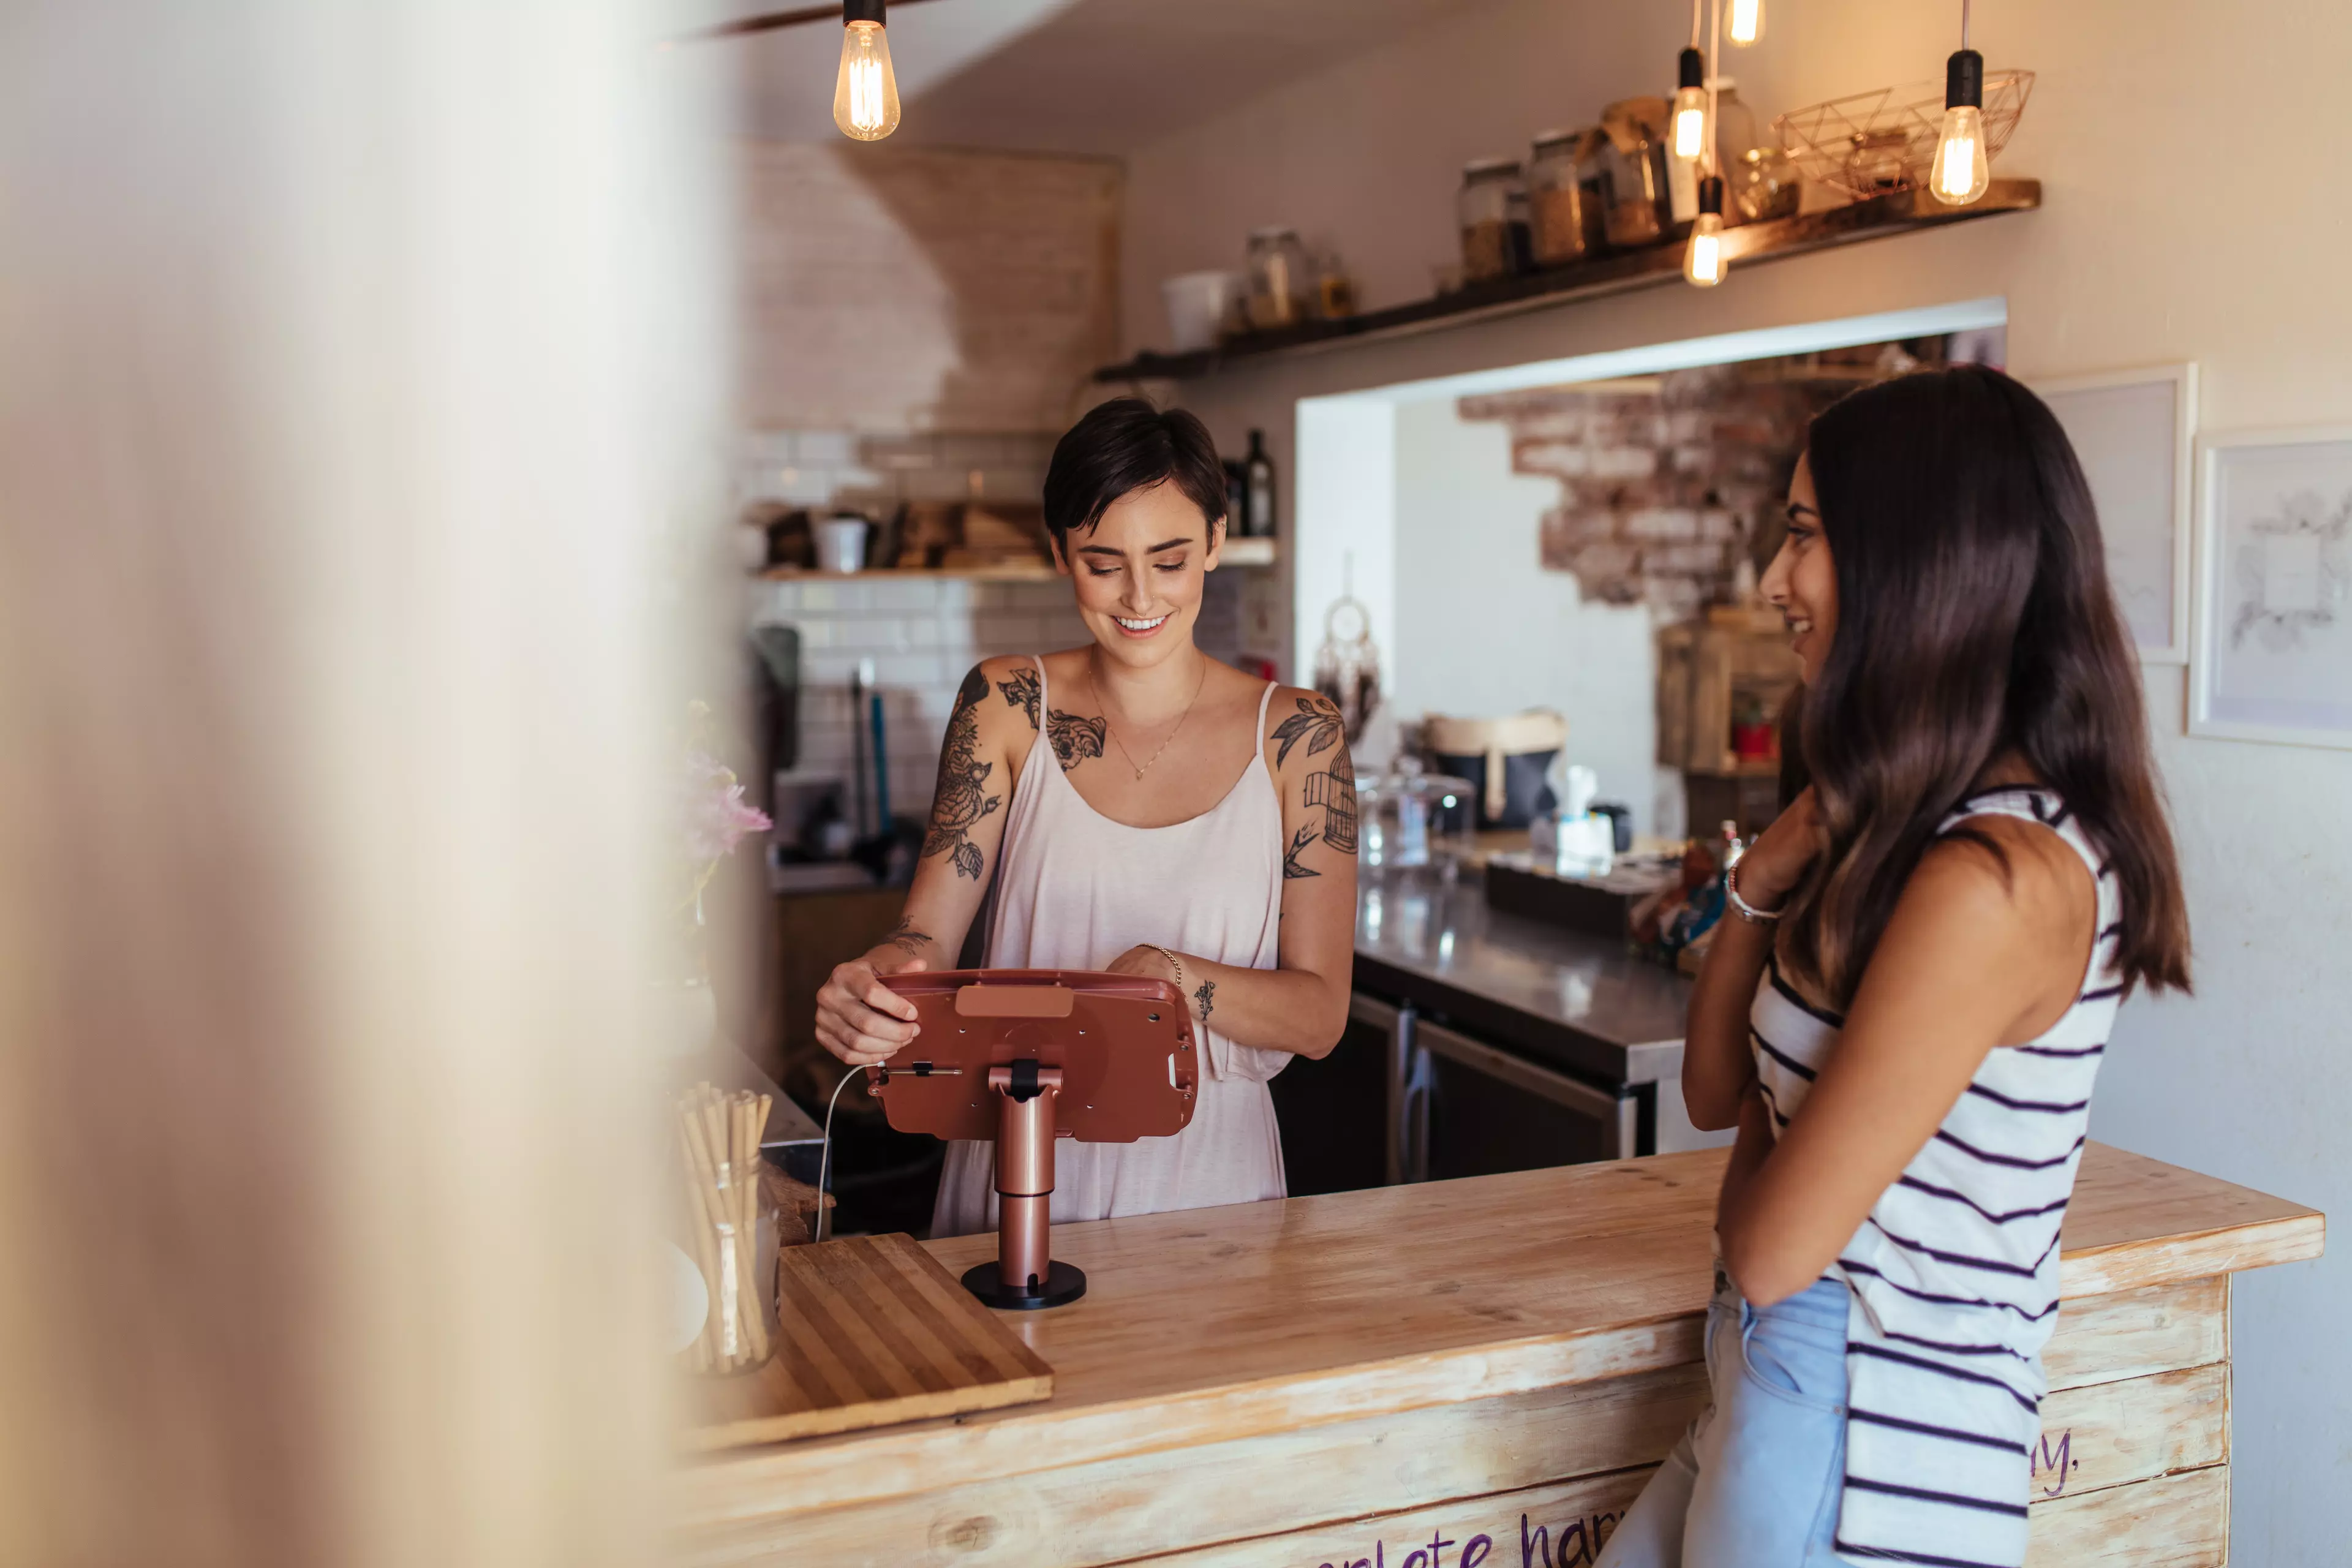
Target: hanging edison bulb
{"type": "Point", "coordinates": [1746, 23]}
{"type": "Point", "coordinates": [1704, 263]}
{"type": "Point", "coordinates": [865, 93]}
{"type": "Point", "coordinates": [1690, 106]}
{"type": "Point", "coordinates": [1961, 172]}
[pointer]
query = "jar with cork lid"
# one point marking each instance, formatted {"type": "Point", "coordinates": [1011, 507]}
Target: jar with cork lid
{"type": "Point", "coordinates": [1633, 170]}
{"type": "Point", "coordinates": [1568, 212]}
{"type": "Point", "coordinates": [1494, 227]}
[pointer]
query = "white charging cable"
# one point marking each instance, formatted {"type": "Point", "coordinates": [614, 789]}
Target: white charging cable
{"type": "Point", "coordinates": [824, 1154]}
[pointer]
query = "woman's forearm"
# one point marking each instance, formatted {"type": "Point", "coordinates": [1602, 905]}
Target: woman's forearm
{"type": "Point", "coordinates": [1748, 1154]}
{"type": "Point", "coordinates": [1294, 1010]}
{"type": "Point", "coordinates": [1716, 1068]}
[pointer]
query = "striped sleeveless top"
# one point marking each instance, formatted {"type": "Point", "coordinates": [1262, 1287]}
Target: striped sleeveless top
{"type": "Point", "coordinates": [1954, 1275]}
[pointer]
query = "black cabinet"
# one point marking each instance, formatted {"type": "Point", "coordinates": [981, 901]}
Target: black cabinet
{"type": "Point", "coordinates": [1335, 1112]}
{"type": "Point", "coordinates": [1472, 1110]}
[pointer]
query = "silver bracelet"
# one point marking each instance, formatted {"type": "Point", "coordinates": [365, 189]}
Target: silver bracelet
{"type": "Point", "coordinates": [1740, 906]}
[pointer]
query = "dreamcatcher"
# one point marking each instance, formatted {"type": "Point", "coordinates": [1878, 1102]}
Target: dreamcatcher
{"type": "Point", "coordinates": [1347, 664]}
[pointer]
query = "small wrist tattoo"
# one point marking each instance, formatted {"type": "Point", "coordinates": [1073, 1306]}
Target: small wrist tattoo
{"type": "Point", "coordinates": [1206, 997]}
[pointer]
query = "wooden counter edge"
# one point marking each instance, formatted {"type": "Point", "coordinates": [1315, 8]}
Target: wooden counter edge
{"type": "Point", "coordinates": [2195, 1255]}
{"type": "Point", "coordinates": [869, 1466]}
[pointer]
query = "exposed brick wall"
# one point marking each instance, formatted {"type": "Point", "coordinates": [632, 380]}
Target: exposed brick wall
{"type": "Point", "coordinates": [888, 290]}
{"type": "Point", "coordinates": [1663, 482]}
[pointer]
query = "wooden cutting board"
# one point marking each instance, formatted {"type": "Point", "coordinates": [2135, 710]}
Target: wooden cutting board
{"type": "Point", "coordinates": [874, 1333]}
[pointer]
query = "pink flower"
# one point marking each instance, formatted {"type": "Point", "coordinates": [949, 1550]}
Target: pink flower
{"type": "Point", "coordinates": [716, 814]}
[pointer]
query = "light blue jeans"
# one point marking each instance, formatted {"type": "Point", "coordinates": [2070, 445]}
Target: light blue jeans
{"type": "Point", "coordinates": [1755, 1482]}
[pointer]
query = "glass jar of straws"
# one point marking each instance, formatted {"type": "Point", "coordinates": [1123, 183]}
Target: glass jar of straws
{"type": "Point", "coordinates": [733, 1222]}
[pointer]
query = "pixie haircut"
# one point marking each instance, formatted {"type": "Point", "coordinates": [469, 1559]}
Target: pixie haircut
{"type": "Point", "coordinates": [1122, 447]}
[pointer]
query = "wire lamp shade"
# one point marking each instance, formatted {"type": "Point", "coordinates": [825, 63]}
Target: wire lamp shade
{"type": "Point", "coordinates": [1870, 143]}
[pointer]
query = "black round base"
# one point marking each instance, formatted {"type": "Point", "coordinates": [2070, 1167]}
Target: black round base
{"type": "Point", "coordinates": [1063, 1284]}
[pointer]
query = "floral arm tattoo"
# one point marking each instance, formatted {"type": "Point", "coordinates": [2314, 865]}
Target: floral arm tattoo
{"type": "Point", "coordinates": [1075, 738]}
{"type": "Point", "coordinates": [1292, 866]}
{"type": "Point", "coordinates": [1331, 790]}
{"type": "Point", "coordinates": [907, 939]}
{"type": "Point", "coordinates": [962, 798]}
{"type": "Point", "coordinates": [1021, 692]}
{"type": "Point", "coordinates": [1206, 996]}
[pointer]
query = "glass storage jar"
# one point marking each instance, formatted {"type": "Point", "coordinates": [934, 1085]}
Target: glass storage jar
{"type": "Point", "coordinates": [1564, 200]}
{"type": "Point", "coordinates": [1489, 248]}
{"type": "Point", "coordinates": [1413, 817]}
{"type": "Point", "coordinates": [1523, 253]}
{"type": "Point", "coordinates": [1633, 171]}
{"type": "Point", "coordinates": [1877, 163]}
{"type": "Point", "coordinates": [1764, 185]}
{"type": "Point", "coordinates": [1735, 138]}
{"type": "Point", "coordinates": [1280, 282]}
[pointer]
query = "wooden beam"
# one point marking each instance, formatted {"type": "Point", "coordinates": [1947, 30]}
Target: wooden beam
{"type": "Point", "coordinates": [747, 26]}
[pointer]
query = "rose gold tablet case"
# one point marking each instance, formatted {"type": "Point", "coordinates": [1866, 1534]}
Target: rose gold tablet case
{"type": "Point", "coordinates": [1020, 1057]}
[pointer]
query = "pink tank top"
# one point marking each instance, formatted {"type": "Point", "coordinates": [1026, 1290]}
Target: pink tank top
{"type": "Point", "coordinates": [1075, 890]}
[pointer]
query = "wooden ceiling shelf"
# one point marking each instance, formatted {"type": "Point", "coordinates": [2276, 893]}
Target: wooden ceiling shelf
{"type": "Point", "coordinates": [1745, 246]}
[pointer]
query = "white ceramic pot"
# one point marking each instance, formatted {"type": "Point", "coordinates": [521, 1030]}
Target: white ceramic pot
{"type": "Point", "coordinates": [1198, 304]}
{"type": "Point", "coordinates": [840, 543]}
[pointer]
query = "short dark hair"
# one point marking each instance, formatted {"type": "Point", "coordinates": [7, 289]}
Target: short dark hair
{"type": "Point", "coordinates": [1122, 447]}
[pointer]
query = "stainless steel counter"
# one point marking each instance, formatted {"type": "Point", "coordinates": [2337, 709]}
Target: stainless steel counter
{"type": "Point", "coordinates": [1535, 1012]}
{"type": "Point", "coordinates": [1577, 1001]}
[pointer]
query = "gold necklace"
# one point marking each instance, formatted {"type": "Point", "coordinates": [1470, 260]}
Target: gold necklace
{"type": "Point", "coordinates": [1171, 734]}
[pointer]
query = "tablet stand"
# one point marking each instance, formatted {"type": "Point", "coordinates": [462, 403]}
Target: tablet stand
{"type": "Point", "coordinates": [1023, 1057]}
{"type": "Point", "coordinates": [1025, 1275]}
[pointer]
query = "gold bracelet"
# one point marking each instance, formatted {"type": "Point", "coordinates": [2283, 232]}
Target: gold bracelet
{"type": "Point", "coordinates": [1174, 962]}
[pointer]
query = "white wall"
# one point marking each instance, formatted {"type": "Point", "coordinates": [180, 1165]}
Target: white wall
{"type": "Point", "coordinates": [2163, 238]}
{"type": "Point", "coordinates": [1344, 538]}
{"type": "Point", "coordinates": [1466, 557]}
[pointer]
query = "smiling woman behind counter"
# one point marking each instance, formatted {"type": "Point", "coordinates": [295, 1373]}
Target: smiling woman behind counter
{"type": "Point", "coordinates": [1180, 820]}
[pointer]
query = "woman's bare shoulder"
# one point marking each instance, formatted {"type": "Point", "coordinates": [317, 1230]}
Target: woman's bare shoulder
{"type": "Point", "coordinates": [2006, 867]}
{"type": "Point", "coordinates": [1303, 727]}
{"type": "Point", "coordinates": [998, 703]}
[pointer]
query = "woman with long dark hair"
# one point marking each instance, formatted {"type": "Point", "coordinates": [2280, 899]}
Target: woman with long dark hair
{"type": "Point", "coordinates": [1906, 1012]}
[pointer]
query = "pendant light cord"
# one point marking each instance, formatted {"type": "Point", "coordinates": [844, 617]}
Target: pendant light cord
{"type": "Point", "coordinates": [1697, 7]}
{"type": "Point", "coordinates": [1964, 23]}
{"type": "Point", "coordinates": [1713, 86]}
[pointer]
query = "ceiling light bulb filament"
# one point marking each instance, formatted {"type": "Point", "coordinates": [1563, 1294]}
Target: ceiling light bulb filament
{"type": "Point", "coordinates": [1961, 172]}
{"type": "Point", "coordinates": [865, 93]}
{"type": "Point", "coordinates": [1690, 106]}
{"type": "Point", "coordinates": [1705, 263]}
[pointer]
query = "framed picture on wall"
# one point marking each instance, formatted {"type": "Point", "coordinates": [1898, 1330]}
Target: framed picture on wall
{"type": "Point", "coordinates": [2272, 629]}
{"type": "Point", "coordinates": [2135, 432]}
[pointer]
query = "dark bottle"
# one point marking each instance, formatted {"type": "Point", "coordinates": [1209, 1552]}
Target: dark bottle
{"type": "Point", "coordinates": [1236, 496]}
{"type": "Point", "coordinates": [1257, 517]}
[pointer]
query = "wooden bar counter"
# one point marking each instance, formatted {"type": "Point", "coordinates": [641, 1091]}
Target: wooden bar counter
{"type": "Point", "coordinates": [1477, 1374]}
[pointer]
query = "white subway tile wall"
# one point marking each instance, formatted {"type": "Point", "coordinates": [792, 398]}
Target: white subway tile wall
{"type": "Point", "coordinates": [923, 634]}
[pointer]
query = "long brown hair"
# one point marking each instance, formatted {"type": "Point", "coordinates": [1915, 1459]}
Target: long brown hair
{"type": "Point", "coordinates": [1974, 620]}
